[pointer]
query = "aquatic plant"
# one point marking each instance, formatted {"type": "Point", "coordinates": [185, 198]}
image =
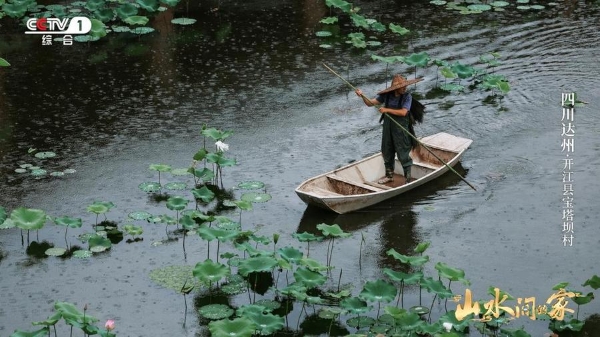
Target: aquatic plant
{"type": "Point", "coordinates": [68, 222]}
{"type": "Point", "coordinates": [28, 219]}
{"type": "Point", "coordinates": [333, 231]}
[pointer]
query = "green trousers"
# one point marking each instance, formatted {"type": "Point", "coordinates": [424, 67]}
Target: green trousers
{"type": "Point", "coordinates": [395, 141]}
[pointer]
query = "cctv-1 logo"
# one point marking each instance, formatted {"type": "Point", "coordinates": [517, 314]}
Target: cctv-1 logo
{"type": "Point", "coordinates": [76, 25]}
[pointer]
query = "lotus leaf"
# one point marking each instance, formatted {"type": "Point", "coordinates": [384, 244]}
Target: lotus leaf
{"type": "Point", "coordinates": [499, 3]}
{"type": "Point", "coordinates": [378, 291]}
{"type": "Point", "coordinates": [290, 254]}
{"type": "Point", "coordinates": [452, 274]}
{"type": "Point", "coordinates": [55, 251]}
{"type": "Point", "coordinates": [309, 278]}
{"type": "Point", "coordinates": [307, 237]}
{"type": "Point", "coordinates": [50, 320]}
{"type": "Point", "coordinates": [98, 28]}
{"type": "Point", "coordinates": [239, 327]}
{"type": "Point", "coordinates": [160, 167]}
{"type": "Point", "coordinates": [330, 312]}
{"type": "Point", "coordinates": [436, 286]}
{"type": "Point", "coordinates": [69, 171]}
{"type": "Point", "coordinates": [149, 5]}
{"type": "Point", "coordinates": [462, 70]}
{"type": "Point", "coordinates": [210, 272]}
{"type": "Point", "coordinates": [537, 7]}
{"type": "Point", "coordinates": [257, 264]}
{"type": "Point", "coordinates": [561, 285]}
{"type": "Point", "coordinates": [183, 21]}
{"type": "Point", "coordinates": [392, 313]}
{"type": "Point", "coordinates": [188, 223]}
{"type": "Point", "coordinates": [28, 218]}
{"type": "Point", "coordinates": [3, 214]}
{"type": "Point", "coordinates": [359, 21]}
{"type": "Point", "coordinates": [143, 30]}
{"type": "Point", "coordinates": [437, 2]}
{"type": "Point", "coordinates": [323, 33]}
{"type": "Point", "coordinates": [479, 7]}
{"type": "Point", "coordinates": [123, 29]}
{"type": "Point", "coordinates": [68, 222]}
{"type": "Point", "coordinates": [43, 332]}
{"type": "Point", "coordinates": [251, 185]}
{"type": "Point", "coordinates": [126, 10]}
{"type": "Point", "coordinates": [94, 5]}
{"type": "Point", "coordinates": [99, 243]}
{"type": "Point", "coordinates": [581, 300]}
{"type": "Point", "coordinates": [355, 305]}
{"type": "Point", "coordinates": [398, 29]}
{"type": "Point", "coordinates": [249, 309]}
{"type": "Point", "coordinates": [269, 305]}
{"type": "Point", "coordinates": [313, 264]}
{"type": "Point", "coordinates": [82, 254]}
{"type": "Point", "coordinates": [7, 224]}
{"type": "Point", "coordinates": [203, 174]}
{"type": "Point", "coordinates": [326, 46]}
{"type": "Point", "coordinates": [177, 203]}
{"type": "Point", "coordinates": [422, 247]}
{"type": "Point", "coordinates": [20, 170]}
{"type": "Point", "coordinates": [266, 324]}
{"type": "Point", "coordinates": [171, 3]}
{"type": "Point", "coordinates": [97, 208]}
{"type": "Point", "coordinates": [329, 20]}
{"type": "Point", "coordinates": [373, 43]}
{"type": "Point", "coordinates": [215, 311]}
{"type": "Point", "coordinates": [593, 282]}
{"type": "Point", "coordinates": [133, 230]}
{"type": "Point", "coordinates": [38, 172]}
{"type": "Point", "coordinates": [216, 134]}
{"type": "Point", "coordinates": [176, 186]}
{"type": "Point", "coordinates": [244, 205]}
{"type": "Point", "coordinates": [178, 171]}
{"type": "Point", "coordinates": [419, 310]}
{"type": "Point", "coordinates": [229, 225]}
{"type": "Point", "coordinates": [398, 276]}
{"type": "Point", "coordinates": [361, 322]}
{"type": "Point", "coordinates": [501, 293]}
{"type": "Point", "coordinates": [448, 73]}
{"type": "Point", "coordinates": [57, 174]}
{"type": "Point", "coordinates": [210, 233]}
{"type": "Point", "coordinates": [139, 215]}
{"type": "Point", "coordinates": [333, 230]}
{"type": "Point", "coordinates": [218, 159]}
{"type": "Point", "coordinates": [410, 322]}
{"type": "Point", "coordinates": [256, 197]}
{"type": "Point", "coordinates": [417, 59]}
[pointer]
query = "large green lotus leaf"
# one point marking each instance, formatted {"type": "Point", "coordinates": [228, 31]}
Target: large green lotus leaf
{"type": "Point", "coordinates": [329, 20]}
{"type": "Point", "coordinates": [436, 286]}
{"type": "Point", "coordinates": [266, 324]}
{"type": "Point", "coordinates": [177, 203]}
{"type": "Point", "coordinates": [139, 215]}
{"type": "Point", "coordinates": [149, 5]}
{"type": "Point", "coordinates": [215, 311]}
{"type": "Point", "coordinates": [562, 325]}
{"type": "Point", "coordinates": [462, 70]}
{"type": "Point", "coordinates": [479, 7]}
{"type": "Point", "coordinates": [581, 300]}
{"type": "Point", "coordinates": [239, 327]}
{"type": "Point", "coordinates": [417, 59]}
{"type": "Point", "coordinates": [355, 305]}
{"type": "Point", "coordinates": [200, 155]}
{"type": "Point", "coordinates": [209, 271]}
{"type": "Point", "coordinates": [14, 10]}
{"type": "Point", "coordinates": [126, 10]}
{"type": "Point", "coordinates": [94, 5]}
{"type": "Point", "coordinates": [413, 261]}
{"type": "Point", "coordinates": [99, 241]}
{"type": "Point", "coordinates": [176, 185]}
{"type": "Point", "coordinates": [333, 230]}
{"type": "Point", "coordinates": [407, 278]}
{"type": "Point", "coordinates": [98, 28]}
{"type": "Point", "coordinates": [245, 205]}
{"type": "Point", "coordinates": [249, 309]}
{"type": "Point", "coordinates": [142, 30]}
{"type": "Point", "coordinates": [218, 159]}
{"type": "Point", "coordinates": [359, 21]}
{"type": "Point", "coordinates": [290, 254]}
{"type": "Point", "coordinates": [257, 264]}
{"type": "Point", "coordinates": [313, 264]}
{"type": "Point", "coordinates": [452, 87]}
{"type": "Point", "coordinates": [593, 282]}
{"type": "Point", "coordinates": [183, 21]}
{"type": "Point", "coordinates": [204, 174]}
{"type": "Point", "coordinates": [7, 224]}
{"type": "Point", "coordinates": [307, 237]}
{"type": "Point", "coordinates": [341, 4]}
{"type": "Point", "coordinates": [216, 134]}
{"type": "Point", "coordinates": [68, 310]}
{"type": "Point", "coordinates": [269, 305]}
{"type": "Point", "coordinates": [175, 277]}
{"type": "Point", "coordinates": [133, 230]}
{"type": "Point", "coordinates": [251, 185]}
{"type": "Point", "coordinates": [204, 193]}
{"type": "Point", "coordinates": [50, 320]}
{"type": "Point", "coordinates": [43, 332]}
{"type": "Point", "coordinates": [188, 222]}
{"type": "Point", "coordinates": [97, 208]}
{"type": "Point", "coordinates": [499, 3]}
{"type": "Point", "coordinates": [378, 291]}
{"type": "Point", "coordinates": [448, 73]}
{"type": "Point", "coordinates": [211, 233]}
{"type": "Point", "coordinates": [450, 317]}
{"type": "Point", "coordinates": [410, 322]}
{"type": "Point", "coordinates": [68, 222]}
{"type": "Point", "coordinates": [82, 254]}
{"type": "Point", "coordinates": [398, 29]}
{"type": "Point", "coordinates": [28, 218]}
{"type": "Point", "coordinates": [452, 274]}
{"type": "Point", "coordinates": [361, 322]}
{"type": "Point", "coordinates": [253, 252]}
{"type": "Point", "coordinates": [501, 293]}
{"type": "Point", "coordinates": [229, 225]}
{"type": "Point", "coordinates": [309, 278]}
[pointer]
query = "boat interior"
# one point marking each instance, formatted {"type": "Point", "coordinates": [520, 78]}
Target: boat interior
{"type": "Point", "coordinates": [361, 177]}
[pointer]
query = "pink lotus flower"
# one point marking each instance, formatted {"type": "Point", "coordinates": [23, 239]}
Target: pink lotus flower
{"type": "Point", "coordinates": [109, 325]}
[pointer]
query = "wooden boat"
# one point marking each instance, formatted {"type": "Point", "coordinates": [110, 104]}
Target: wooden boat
{"type": "Point", "coordinates": [355, 186]}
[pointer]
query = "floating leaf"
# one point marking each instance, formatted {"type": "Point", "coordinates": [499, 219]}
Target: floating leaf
{"type": "Point", "coordinates": [239, 327]}
{"type": "Point", "coordinates": [479, 7]}
{"type": "Point", "coordinates": [452, 87]}
{"type": "Point", "coordinates": [82, 254]}
{"type": "Point", "coordinates": [180, 171]}
{"type": "Point", "coordinates": [133, 230]}
{"type": "Point", "coordinates": [417, 59]}
{"type": "Point", "coordinates": [47, 154]}
{"type": "Point", "coordinates": [160, 167]}
{"type": "Point", "coordinates": [121, 29]}
{"type": "Point", "coordinates": [251, 185]}
{"type": "Point", "coordinates": [183, 21]}
{"type": "Point", "coordinates": [333, 230]}
{"type": "Point", "coordinates": [57, 174]}
{"type": "Point", "coordinates": [204, 194]}
{"type": "Point", "coordinates": [256, 197]}
{"type": "Point", "coordinates": [290, 254]}
{"type": "Point", "coordinates": [142, 30]}
{"type": "Point", "coordinates": [499, 3]}
{"type": "Point", "coordinates": [361, 322]}
{"type": "Point", "coordinates": [177, 203]}
{"type": "Point", "coordinates": [149, 5]}
{"type": "Point", "coordinates": [4, 63]}
{"type": "Point", "coordinates": [139, 215]}
{"type": "Point", "coordinates": [266, 324]}
{"type": "Point", "coordinates": [257, 264]}
{"type": "Point", "coordinates": [55, 251]}
{"type": "Point", "coordinates": [150, 187]}
{"type": "Point", "coordinates": [398, 29]}
{"type": "Point", "coordinates": [309, 278]}
{"type": "Point", "coordinates": [38, 172]}
{"type": "Point", "coordinates": [422, 247]}
{"type": "Point", "coordinates": [355, 305]}
{"type": "Point", "coordinates": [43, 332]}
{"type": "Point", "coordinates": [329, 20]}
{"type": "Point", "coordinates": [215, 311]}
{"type": "Point", "coordinates": [69, 171]}
{"type": "Point", "coordinates": [174, 277]}
{"type": "Point", "coordinates": [176, 186]}
{"type": "Point", "coordinates": [323, 33]}
{"type": "Point", "coordinates": [21, 170]}
{"type": "Point", "coordinates": [126, 10]}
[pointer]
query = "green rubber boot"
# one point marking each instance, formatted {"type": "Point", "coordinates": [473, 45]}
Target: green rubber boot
{"type": "Point", "coordinates": [407, 174]}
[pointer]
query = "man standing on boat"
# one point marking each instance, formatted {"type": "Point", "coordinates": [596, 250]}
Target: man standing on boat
{"type": "Point", "coordinates": [396, 103]}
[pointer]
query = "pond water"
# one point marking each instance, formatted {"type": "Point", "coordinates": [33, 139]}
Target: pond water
{"type": "Point", "coordinates": [110, 109]}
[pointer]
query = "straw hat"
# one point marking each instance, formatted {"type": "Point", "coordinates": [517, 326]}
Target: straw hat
{"type": "Point", "coordinates": [398, 82]}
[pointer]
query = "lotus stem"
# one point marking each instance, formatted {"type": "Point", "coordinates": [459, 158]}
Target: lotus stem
{"type": "Point", "coordinates": [339, 280]}
{"type": "Point", "coordinates": [378, 307]}
{"type": "Point", "coordinates": [431, 308]}
{"type": "Point", "coordinates": [66, 243]}
{"type": "Point", "coordinates": [184, 253]}
{"type": "Point", "coordinates": [300, 315]}
{"type": "Point", "coordinates": [330, 325]}
{"type": "Point", "coordinates": [185, 312]}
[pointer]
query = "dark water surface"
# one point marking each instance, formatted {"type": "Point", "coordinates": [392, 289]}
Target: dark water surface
{"type": "Point", "coordinates": [112, 108]}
